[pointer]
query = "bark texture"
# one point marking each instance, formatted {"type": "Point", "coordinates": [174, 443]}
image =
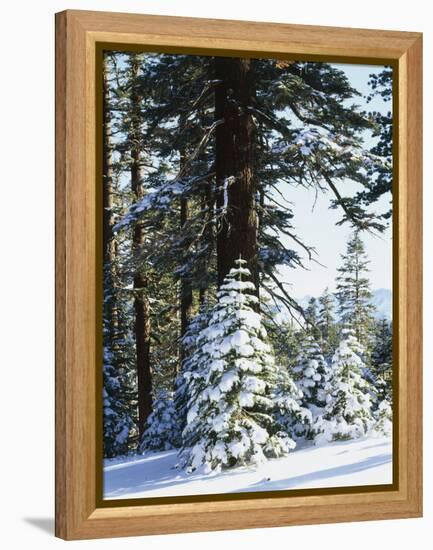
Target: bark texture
{"type": "Point", "coordinates": [141, 301]}
{"type": "Point", "coordinates": [235, 146]}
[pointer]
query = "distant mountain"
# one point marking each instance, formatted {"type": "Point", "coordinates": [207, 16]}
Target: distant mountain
{"type": "Point", "coordinates": [382, 301]}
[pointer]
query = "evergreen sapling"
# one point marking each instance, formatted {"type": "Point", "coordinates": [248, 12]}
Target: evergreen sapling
{"type": "Point", "coordinates": [347, 414]}
{"type": "Point", "coordinates": [311, 374]}
{"type": "Point", "coordinates": [229, 418]}
{"type": "Point", "coordinates": [162, 427]}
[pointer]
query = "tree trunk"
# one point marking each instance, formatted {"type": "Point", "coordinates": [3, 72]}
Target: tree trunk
{"type": "Point", "coordinates": [260, 231]}
{"type": "Point", "coordinates": [186, 296]}
{"type": "Point", "coordinates": [109, 242]}
{"type": "Point", "coordinates": [142, 343]}
{"type": "Point", "coordinates": [141, 302]}
{"type": "Point", "coordinates": [185, 282]}
{"type": "Point", "coordinates": [235, 145]}
{"type": "Point", "coordinates": [208, 207]}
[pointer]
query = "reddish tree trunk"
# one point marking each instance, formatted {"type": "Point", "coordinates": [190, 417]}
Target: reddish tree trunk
{"type": "Point", "coordinates": [235, 145]}
{"type": "Point", "coordinates": [141, 302]}
{"type": "Point", "coordinates": [142, 343]}
{"type": "Point", "coordinates": [185, 283]}
{"type": "Point", "coordinates": [208, 207]}
{"type": "Point", "coordinates": [109, 242]}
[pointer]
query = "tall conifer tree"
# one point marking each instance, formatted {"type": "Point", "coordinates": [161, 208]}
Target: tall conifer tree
{"type": "Point", "coordinates": [353, 291]}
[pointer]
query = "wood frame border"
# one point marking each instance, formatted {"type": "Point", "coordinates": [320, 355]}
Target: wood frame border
{"type": "Point", "coordinates": [78, 515]}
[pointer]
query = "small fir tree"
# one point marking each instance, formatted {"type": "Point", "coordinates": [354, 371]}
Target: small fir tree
{"type": "Point", "coordinates": [326, 324]}
{"type": "Point", "coordinates": [311, 316]}
{"type": "Point", "coordinates": [347, 414]}
{"type": "Point", "coordinates": [190, 371]}
{"type": "Point", "coordinates": [311, 374]}
{"type": "Point", "coordinates": [162, 431]}
{"type": "Point", "coordinates": [290, 416]}
{"type": "Point", "coordinates": [229, 418]}
{"type": "Point", "coordinates": [381, 359]}
{"type": "Point", "coordinates": [353, 292]}
{"type": "Point", "coordinates": [118, 422]}
{"type": "Point", "coordinates": [383, 425]}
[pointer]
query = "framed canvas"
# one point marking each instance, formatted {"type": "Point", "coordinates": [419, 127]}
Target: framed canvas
{"type": "Point", "coordinates": [238, 274]}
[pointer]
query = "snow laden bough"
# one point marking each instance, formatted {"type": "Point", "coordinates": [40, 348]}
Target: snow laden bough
{"type": "Point", "coordinates": [233, 379]}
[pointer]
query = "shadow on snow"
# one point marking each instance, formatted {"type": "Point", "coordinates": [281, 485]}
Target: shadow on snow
{"type": "Point", "coordinates": [136, 476]}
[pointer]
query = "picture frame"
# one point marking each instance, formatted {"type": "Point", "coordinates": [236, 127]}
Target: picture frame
{"type": "Point", "coordinates": [80, 38]}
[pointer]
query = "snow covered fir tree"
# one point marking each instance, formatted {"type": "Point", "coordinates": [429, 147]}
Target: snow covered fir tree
{"type": "Point", "coordinates": [353, 291]}
{"type": "Point", "coordinates": [162, 430]}
{"type": "Point", "coordinates": [348, 410]}
{"type": "Point", "coordinates": [247, 319]}
{"type": "Point", "coordinates": [229, 418]}
{"type": "Point", "coordinates": [311, 374]}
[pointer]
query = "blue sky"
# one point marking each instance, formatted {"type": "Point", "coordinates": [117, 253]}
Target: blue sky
{"type": "Point", "coordinates": [316, 222]}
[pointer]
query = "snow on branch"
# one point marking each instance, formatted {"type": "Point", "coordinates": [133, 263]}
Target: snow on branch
{"type": "Point", "coordinates": [161, 198]}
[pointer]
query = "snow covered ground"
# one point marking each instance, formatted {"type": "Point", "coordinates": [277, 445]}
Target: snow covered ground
{"type": "Point", "coordinates": [366, 461]}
